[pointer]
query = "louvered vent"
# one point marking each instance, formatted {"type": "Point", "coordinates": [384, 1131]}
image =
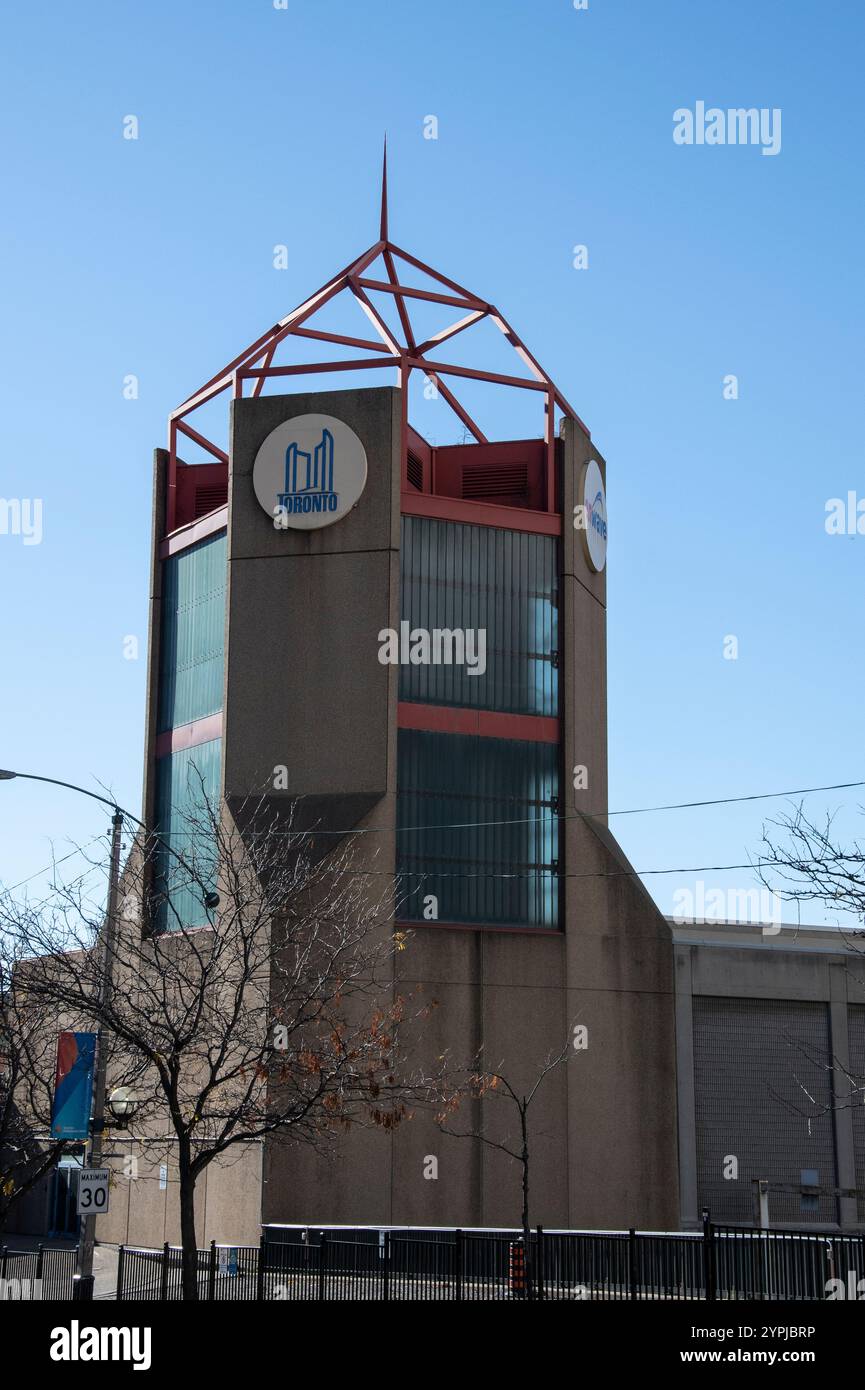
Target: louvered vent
{"type": "Point", "coordinates": [496, 480]}
{"type": "Point", "coordinates": [207, 499]}
{"type": "Point", "coordinates": [415, 472]}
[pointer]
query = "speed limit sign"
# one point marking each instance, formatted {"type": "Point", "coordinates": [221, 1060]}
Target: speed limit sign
{"type": "Point", "coordinates": [93, 1191]}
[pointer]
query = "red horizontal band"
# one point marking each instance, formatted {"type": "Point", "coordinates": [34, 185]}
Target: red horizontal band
{"type": "Point", "coordinates": [189, 735]}
{"type": "Point", "coordinates": [443, 719]}
{"type": "Point", "coordinates": [196, 531]}
{"type": "Point", "coordinates": [480, 513]}
{"type": "Point", "coordinates": [480, 926]}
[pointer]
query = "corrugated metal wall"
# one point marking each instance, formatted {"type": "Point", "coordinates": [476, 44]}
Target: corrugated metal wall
{"type": "Point", "coordinates": [856, 1033]}
{"type": "Point", "coordinates": [192, 651]}
{"type": "Point", "coordinates": [481, 873]}
{"type": "Point", "coordinates": [756, 1062]}
{"type": "Point", "coordinates": [477, 577]}
{"type": "Point", "coordinates": [186, 781]}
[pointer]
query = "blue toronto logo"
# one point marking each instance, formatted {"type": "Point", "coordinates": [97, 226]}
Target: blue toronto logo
{"type": "Point", "coordinates": [308, 483]}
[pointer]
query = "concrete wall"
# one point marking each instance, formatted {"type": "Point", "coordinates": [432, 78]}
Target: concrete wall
{"type": "Point", "coordinates": [144, 1212]}
{"type": "Point", "coordinates": [304, 689]}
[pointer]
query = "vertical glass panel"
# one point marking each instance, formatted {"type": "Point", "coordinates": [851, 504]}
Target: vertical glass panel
{"type": "Point", "coordinates": [498, 865]}
{"type": "Point", "coordinates": [187, 782]}
{"type": "Point", "coordinates": [193, 633]}
{"type": "Point", "coordinates": [459, 579]}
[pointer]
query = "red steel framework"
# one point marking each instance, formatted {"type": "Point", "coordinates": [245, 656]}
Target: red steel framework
{"type": "Point", "coordinates": [256, 363]}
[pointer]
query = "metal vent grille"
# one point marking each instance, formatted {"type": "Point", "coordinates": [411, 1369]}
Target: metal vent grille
{"type": "Point", "coordinates": [415, 472]}
{"type": "Point", "coordinates": [207, 499]}
{"type": "Point", "coordinates": [496, 480]}
{"type": "Point", "coordinates": [756, 1063]}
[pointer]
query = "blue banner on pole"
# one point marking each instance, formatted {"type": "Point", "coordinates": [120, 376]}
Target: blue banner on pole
{"type": "Point", "coordinates": [73, 1086]}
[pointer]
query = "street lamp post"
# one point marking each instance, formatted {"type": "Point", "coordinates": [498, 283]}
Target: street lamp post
{"type": "Point", "coordinates": [83, 1286]}
{"type": "Point", "coordinates": [83, 1281]}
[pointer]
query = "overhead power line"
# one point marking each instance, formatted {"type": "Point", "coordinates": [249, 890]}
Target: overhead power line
{"type": "Point", "coordinates": [552, 815]}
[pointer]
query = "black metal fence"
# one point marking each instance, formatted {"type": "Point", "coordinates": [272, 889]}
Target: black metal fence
{"type": "Point", "coordinates": [361, 1263]}
{"type": "Point", "coordinates": [36, 1274]}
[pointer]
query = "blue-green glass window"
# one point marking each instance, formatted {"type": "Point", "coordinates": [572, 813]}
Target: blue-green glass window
{"type": "Point", "coordinates": [503, 873]}
{"type": "Point", "coordinates": [193, 633]}
{"type": "Point", "coordinates": [479, 578]}
{"type": "Point", "coordinates": [187, 784]}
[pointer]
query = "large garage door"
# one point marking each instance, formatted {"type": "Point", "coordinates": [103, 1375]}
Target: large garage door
{"type": "Point", "coordinates": [763, 1097]}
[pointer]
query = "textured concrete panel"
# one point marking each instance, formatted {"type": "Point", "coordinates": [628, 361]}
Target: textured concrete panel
{"type": "Point", "coordinates": [374, 415]}
{"type": "Point", "coordinates": [305, 687]}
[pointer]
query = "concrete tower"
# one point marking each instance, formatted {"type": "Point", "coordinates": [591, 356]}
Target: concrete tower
{"type": "Point", "coordinates": [474, 758]}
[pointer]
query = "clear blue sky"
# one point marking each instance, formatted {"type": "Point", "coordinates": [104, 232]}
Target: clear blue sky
{"type": "Point", "coordinates": [261, 126]}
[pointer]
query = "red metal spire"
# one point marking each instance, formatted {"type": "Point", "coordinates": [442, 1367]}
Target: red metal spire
{"type": "Point", "coordinates": [383, 230]}
{"type": "Point", "coordinates": [255, 364]}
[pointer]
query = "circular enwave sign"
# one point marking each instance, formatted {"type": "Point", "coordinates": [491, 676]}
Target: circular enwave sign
{"type": "Point", "coordinates": [594, 500]}
{"type": "Point", "coordinates": [309, 472]}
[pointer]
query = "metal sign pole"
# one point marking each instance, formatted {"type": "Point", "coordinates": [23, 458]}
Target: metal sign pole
{"type": "Point", "coordinates": [83, 1282]}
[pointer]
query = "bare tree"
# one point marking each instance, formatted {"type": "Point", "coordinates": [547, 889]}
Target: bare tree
{"type": "Point", "coordinates": [801, 861]}
{"type": "Point", "coordinates": [272, 1015]}
{"type": "Point", "coordinates": [479, 1084]}
{"type": "Point", "coordinates": [27, 1068]}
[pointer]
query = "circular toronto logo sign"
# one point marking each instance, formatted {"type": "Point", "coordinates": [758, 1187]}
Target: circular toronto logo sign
{"type": "Point", "coordinates": [309, 472]}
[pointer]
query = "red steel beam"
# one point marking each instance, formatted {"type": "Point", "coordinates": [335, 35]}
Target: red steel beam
{"type": "Point", "coordinates": [171, 490]}
{"type": "Point", "coordinates": [205, 443]}
{"type": "Point", "coordinates": [531, 362]}
{"type": "Point", "coordinates": [450, 369]}
{"type": "Point", "coordinates": [451, 332]}
{"type": "Point", "coordinates": [375, 318]}
{"type": "Point", "coordinates": [341, 338]}
{"type": "Point", "coordinates": [259, 385]}
{"type": "Point", "coordinates": [351, 366]}
{"type": "Point", "coordinates": [222, 380]}
{"type": "Point", "coordinates": [259, 342]}
{"type": "Point", "coordinates": [400, 302]}
{"type": "Point", "coordinates": [550, 440]}
{"type": "Point", "coordinates": [458, 409]}
{"type": "Point", "coordinates": [462, 302]}
{"type": "Point", "coordinates": [428, 270]}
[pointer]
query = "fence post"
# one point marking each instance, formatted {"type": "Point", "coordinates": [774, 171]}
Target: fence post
{"type": "Point", "coordinates": [163, 1288]}
{"type": "Point", "coordinates": [322, 1261]}
{"type": "Point", "coordinates": [40, 1248]}
{"type": "Point", "coordinates": [211, 1273]}
{"type": "Point", "coordinates": [709, 1255]}
{"type": "Point", "coordinates": [121, 1259]}
{"type": "Point", "coordinates": [458, 1290]}
{"type": "Point", "coordinates": [539, 1260]}
{"type": "Point", "coordinates": [386, 1272]}
{"type": "Point", "coordinates": [259, 1278]}
{"type": "Point", "coordinates": [632, 1263]}
{"type": "Point", "coordinates": [4, 1256]}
